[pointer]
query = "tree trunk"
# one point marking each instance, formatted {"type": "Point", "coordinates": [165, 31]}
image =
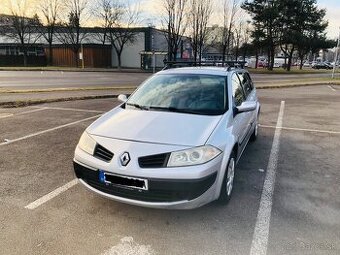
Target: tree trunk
{"type": "Point", "coordinates": [301, 63]}
{"type": "Point", "coordinates": [76, 59]}
{"type": "Point", "coordinates": [223, 53]}
{"type": "Point", "coordinates": [119, 55]}
{"type": "Point", "coordinates": [50, 53]}
{"type": "Point", "coordinates": [25, 58]}
{"type": "Point", "coordinates": [290, 57]}
{"type": "Point", "coordinates": [256, 59]}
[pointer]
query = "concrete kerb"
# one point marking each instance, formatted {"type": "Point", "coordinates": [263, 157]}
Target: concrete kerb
{"type": "Point", "coordinates": [22, 91]}
{"type": "Point", "coordinates": [24, 103]}
{"type": "Point", "coordinates": [292, 85]}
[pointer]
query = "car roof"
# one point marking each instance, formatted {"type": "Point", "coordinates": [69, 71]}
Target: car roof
{"type": "Point", "coordinates": [220, 71]}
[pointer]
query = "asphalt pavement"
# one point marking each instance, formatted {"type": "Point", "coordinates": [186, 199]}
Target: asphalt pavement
{"type": "Point", "coordinates": [36, 151]}
{"type": "Point", "coordinates": [59, 79]}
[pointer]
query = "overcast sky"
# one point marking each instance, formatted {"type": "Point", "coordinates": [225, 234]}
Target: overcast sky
{"type": "Point", "coordinates": [152, 11]}
{"type": "Point", "coordinates": [333, 16]}
{"type": "Point", "coordinates": [153, 8]}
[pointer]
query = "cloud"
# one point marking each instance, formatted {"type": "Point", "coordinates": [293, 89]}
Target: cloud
{"type": "Point", "coordinates": [332, 15]}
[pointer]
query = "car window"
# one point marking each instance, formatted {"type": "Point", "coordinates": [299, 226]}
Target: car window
{"type": "Point", "coordinates": [238, 94]}
{"type": "Point", "coordinates": [246, 83]}
{"type": "Point", "coordinates": [186, 93]}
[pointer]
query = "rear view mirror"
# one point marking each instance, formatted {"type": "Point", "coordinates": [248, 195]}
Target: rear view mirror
{"type": "Point", "coordinates": [247, 107]}
{"type": "Point", "coordinates": [122, 98]}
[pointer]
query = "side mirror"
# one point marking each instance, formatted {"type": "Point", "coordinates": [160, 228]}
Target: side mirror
{"type": "Point", "coordinates": [122, 98]}
{"type": "Point", "coordinates": [246, 107]}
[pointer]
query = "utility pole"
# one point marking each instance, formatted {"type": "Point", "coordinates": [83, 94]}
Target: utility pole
{"type": "Point", "coordinates": [336, 55]}
{"type": "Point", "coordinates": [82, 56]}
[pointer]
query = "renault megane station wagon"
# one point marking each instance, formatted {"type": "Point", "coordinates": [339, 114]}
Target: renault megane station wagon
{"type": "Point", "coordinates": [175, 142]}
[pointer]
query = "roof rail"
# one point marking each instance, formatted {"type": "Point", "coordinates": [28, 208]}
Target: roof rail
{"type": "Point", "coordinates": [182, 63]}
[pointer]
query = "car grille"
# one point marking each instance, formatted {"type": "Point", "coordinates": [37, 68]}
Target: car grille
{"type": "Point", "coordinates": [102, 153]}
{"type": "Point", "coordinates": [159, 190]}
{"type": "Point", "coordinates": [154, 161]}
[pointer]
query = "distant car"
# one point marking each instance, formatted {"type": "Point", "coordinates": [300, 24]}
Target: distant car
{"type": "Point", "coordinates": [261, 64]}
{"type": "Point", "coordinates": [322, 65]}
{"type": "Point", "coordinates": [175, 142]}
{"type": "Point", "coordinates": [307, 64]}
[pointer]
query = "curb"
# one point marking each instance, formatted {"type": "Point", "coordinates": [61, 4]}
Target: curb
{"type": "Point", "coordinates": [23, 103]}
{"type": "Point", "coordinates": [282, 86]}
{"type": "Point", "coordinates": [23, 91]}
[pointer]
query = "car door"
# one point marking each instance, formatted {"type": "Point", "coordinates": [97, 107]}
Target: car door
{"type": "Point", "coordinates": [241, 120]}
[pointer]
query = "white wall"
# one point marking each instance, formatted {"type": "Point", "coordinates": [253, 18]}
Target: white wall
{"type": "Point", "coordinates": [131, 53]}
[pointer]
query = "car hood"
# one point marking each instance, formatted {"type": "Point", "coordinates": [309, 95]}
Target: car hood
{"type": "Point", "coordinates": [155, 127]}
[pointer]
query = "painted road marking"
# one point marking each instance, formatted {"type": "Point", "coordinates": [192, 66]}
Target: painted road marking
{"type": "Point", "coordinates": [73, 109]}
{"type": "Point", "coordinates": [128, 246]}
{"type": "Point", "coordinates": [47, 130]}
{"type": "Point", "coordinates": [51, 195]}
{"type": "Point", "coordinates": [304, 130]}
{"type": "Point", "coordinates": [6, 115]}
{"type": "Point", "coordinates": [261, 232]}
{"type": "Point", "coordinates": [329, 86]}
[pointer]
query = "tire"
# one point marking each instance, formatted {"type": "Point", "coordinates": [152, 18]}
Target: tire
{"type": "Point", "coordinates": [255, 133]}
{"type": "Point", "coordinates": [228, 181]}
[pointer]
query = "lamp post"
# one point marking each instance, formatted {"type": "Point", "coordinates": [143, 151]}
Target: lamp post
{"type": "Point", "coordinates": [336, 55]}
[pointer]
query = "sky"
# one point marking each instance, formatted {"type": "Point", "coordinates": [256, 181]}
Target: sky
{"type": "Point", "coordinates": [153, 8]}
{"type": "Point", "coordinates": [152, 12]}
{"type": "Point", "coordinates": [332, 15]}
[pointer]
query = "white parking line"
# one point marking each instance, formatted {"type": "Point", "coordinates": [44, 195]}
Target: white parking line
{"type": "Point", "coordinates": [261, 232]}
{"type": "Point", "coordinates": [127, 246]}
{"type": "Point", "coordinates": [22, 113]}
{"type": "Point", "coordinates": [51, 195]}
{"type": "Point", "coordinates": [5, 115]}
{"type": "Point", "coordinates": [47, 130]}
{"type": "Point", "coordinates": [329, 86]}
{"type": "Point", "coordinates": [73, 109]}
{"type": "Point", "coordinates": [304, 130]}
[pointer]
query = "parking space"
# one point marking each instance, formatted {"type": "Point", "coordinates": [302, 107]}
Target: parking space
{"type": "Point", "coordinates": [305, 203]}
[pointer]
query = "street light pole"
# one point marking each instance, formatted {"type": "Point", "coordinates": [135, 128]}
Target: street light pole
{"type": "Point", "coordinates": [336, 55]}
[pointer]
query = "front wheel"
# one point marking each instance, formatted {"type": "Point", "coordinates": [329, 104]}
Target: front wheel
{"type": "Point", "coordinates": [228, 181]}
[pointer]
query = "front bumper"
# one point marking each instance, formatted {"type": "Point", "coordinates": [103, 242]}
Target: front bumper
{"type": "Point", "coordinates": [162, 193]}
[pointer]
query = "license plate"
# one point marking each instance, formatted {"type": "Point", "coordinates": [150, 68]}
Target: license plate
{"type": "Point", "coordinates": [123, 181]}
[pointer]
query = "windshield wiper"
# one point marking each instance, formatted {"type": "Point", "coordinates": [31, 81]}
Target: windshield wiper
{"type": "Point", "coordinates": [174, 109]}
{"type": "Point", "coordinates": [142, 107]}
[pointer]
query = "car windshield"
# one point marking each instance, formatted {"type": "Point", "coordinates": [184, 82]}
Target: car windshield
{"type": "Point", "coordinates": [185, 93]}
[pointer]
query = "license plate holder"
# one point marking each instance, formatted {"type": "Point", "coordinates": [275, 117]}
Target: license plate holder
{"type": "Point", "coordinates": [123, 181]}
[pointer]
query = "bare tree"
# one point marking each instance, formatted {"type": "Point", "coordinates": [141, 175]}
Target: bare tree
{"type": "Point", "coordinates": [107, 12]}
{"type": "Point", "coordinates": [23, 29]}
{"type": "Point", "coordinates": [230, 9]}
{"type": "Point", "coordinates": [117, 20]}
{"type": "Point", "coordinates": [50, 10]}
{"type": "Point", "coordinates": [176, 25]}
{"type": "Point", "coordinates": [123, 31]}
{"type": "Point", "coordinates": [71, 33]}
{"type": "Point", "coordinates": [201, 11]}
{"type": "Point", "coordinates": [241, 36]}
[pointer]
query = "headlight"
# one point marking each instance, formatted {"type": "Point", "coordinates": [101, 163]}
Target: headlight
{"type": "Point", "coordinates": [194, 156]}
{"type": "Point", "coordinates": [86, 143]}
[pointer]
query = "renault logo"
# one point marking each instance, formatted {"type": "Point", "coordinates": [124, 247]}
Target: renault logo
{"type": "Point", "coordinates": [125, 159]}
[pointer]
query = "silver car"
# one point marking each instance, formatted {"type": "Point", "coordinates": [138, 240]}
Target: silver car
{"type": "Point", "coordinates": [175, 142]}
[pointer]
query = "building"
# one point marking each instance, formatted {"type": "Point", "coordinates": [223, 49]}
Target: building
{"type": "Point", "coordinates": [148, 49]}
